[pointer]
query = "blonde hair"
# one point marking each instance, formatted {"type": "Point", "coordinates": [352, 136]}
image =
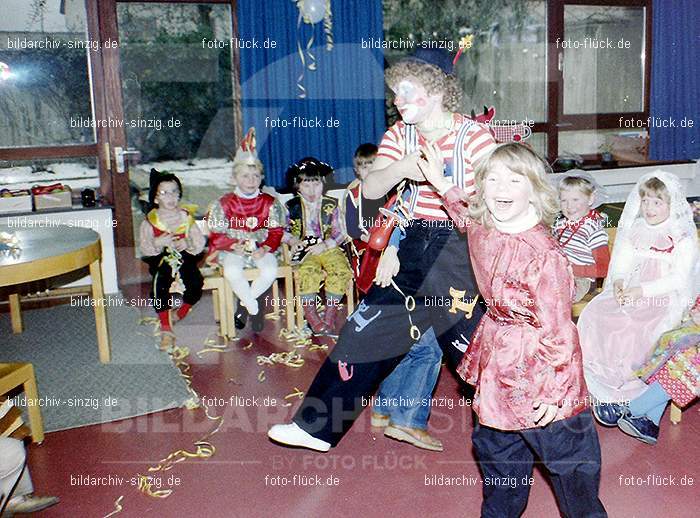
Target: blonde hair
{"type": "Point", "coordinates": [240, 167]}
{"type": "Point", "coordinates": [523, 161]}
{"type": "Point", "coordinates": [434, 80]}
{"type": "Point", "coordinates": [576, 182]}
{"type": "Point", "coordinates": [655, 187]}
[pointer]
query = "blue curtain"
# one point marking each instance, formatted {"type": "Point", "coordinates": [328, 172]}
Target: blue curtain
{"type": "Point", "coordinates": [675, 80]}
{"type": "Point", "coordinates": [346, 91]}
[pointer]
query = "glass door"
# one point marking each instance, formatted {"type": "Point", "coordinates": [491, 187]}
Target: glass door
{"type": "Point", "coordinates": [175, 107]}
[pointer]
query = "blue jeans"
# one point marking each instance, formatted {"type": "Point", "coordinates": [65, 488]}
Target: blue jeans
{"type": "Point", "coordinates": [405, 394]}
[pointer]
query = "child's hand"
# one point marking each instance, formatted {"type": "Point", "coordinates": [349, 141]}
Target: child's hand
{"type": "Point", "coordinates": [545, 413]}
{"type": "Point", "coordinates": [164, 240]}
{"type": "Point", "coordinates": [695, 316]}
{"type": "Point", "coordinates": [259, 253]}
{"type": "Point", "coordinates": [388, 267]}
{"type": "Point", "coordinates": [630, 295]}
{"type": "Point", "coordinates": [213, 259]}
{"type": "Point", "coordinates": [618, 289]}
{"type": "Point", "coordinates": [180, 245]}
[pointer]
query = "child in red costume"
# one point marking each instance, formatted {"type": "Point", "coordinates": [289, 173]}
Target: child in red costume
{"type": "Point", "coordinates": [245, 231]}
{"type": "Point", "coordinates": [524, 359]}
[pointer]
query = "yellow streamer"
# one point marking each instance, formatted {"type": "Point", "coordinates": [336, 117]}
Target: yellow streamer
{"type": "Point", "coordinates": [290, 359]}
{"type": "Point", "coordinates": [117, 507]}
{"type": "Point", "coordinates": [297, 393]}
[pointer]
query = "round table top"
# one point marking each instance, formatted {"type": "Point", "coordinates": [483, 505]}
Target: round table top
{"type": "Point", "coordinates": [44, 242]}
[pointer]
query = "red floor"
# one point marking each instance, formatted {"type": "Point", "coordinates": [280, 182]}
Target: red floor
{"type": "Point", "coordinates": [366, 475]}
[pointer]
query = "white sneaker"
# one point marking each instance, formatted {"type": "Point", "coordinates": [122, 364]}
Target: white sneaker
{"type": "Point", "coordinates": [292, 435]}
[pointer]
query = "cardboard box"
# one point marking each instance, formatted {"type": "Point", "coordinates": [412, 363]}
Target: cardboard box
{"type": "Point", "coordinates": [54, 200]}
{"type": "Point", "coordinates": [21, 201]}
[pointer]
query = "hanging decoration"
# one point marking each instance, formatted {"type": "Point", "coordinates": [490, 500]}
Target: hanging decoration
{"type": "Point", "coordinates": [311, 12]}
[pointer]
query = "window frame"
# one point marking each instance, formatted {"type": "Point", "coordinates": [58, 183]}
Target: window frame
{"type": "Point", "coordinates": [556, 120]}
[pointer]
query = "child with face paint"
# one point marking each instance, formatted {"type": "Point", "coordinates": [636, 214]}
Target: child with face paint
{"type": "Point", "coordinates": [171, 244]}
{"type": "Point", "coordinates": [650, 285]}
{"type": "Point", "coordinates": [524, 359]}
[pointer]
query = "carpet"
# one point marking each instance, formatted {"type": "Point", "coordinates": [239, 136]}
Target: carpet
{"type": "Point", "coordinates": [75, 389]}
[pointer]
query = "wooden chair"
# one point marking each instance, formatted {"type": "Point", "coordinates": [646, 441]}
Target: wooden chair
{"type": "Point", "coordinates": [223, 307]}
{"type": "Point", "coordinates": [12, 375]}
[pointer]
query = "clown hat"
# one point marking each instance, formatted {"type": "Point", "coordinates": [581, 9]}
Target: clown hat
{"type": "Point", "coordinates": [247, 153]}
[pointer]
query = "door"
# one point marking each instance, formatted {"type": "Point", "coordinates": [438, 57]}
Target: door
{"type": "Point", "coordinates": [171, 82]}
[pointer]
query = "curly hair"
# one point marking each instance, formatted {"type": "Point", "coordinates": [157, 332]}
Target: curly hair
{"type": "Point", "coordinates": [523, 161]}
{"type": "Point", "coordinates": [434, 80]}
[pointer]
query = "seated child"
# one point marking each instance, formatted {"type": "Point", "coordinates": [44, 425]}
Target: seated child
{"type": "Point", "coordinates": [580, 230]}
{"type": "Point", "coordinates": [314, 217]}
{"type": "Point", "coordinates": [647, 291]}
{"type": "Point", "coordinates": [245, 231]}
{"type": "Point", "coordinates": [672, 373]}
{"type": "Point", "coordinates": [524, 358]}
{"type": "Point", "coordinates": [171, 244]}
{"type": "Point", "coordinates": [359, 211]}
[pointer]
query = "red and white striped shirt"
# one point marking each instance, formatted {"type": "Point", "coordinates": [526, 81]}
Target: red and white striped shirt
{"type": "Point", "coordinates": [478, 142]}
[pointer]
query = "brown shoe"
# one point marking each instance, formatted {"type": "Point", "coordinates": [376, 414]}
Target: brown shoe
{"type": "Point", "coordinates": [379, 420]}
{"type": "Point", "coordinates": [415, 436]}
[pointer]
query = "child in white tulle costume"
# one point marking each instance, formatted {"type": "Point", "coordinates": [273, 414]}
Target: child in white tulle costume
{"type": "Point", "coordinates": [650, 284]}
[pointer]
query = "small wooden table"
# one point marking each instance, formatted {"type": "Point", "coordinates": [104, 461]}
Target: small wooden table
{"type": "Point", "coordinates": [50, 251]}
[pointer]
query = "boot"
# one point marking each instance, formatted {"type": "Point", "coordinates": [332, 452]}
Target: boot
{"type": "Point", "coordinates": [315, 323]}
{"type": "Point", "coordinates": [258, 320]}
{"type": "Point", "coordinates": [241, 316]}
{"type": "Point", "coordinates": [330, 316]}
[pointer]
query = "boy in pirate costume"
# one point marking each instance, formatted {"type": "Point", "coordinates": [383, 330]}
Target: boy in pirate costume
{"type": "Point", "coordinates": [432, 261]}
{"type": "Point", "coordinates": [245, 231]}
{"type": "Point", "coordinates": [315, 231]}
{"type": "Point", "coordinates": [171, 244]}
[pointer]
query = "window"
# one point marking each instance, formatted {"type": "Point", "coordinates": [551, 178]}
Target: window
{"type": "Point", "coordinates": [574, 67]}
{"type": "Point", "coordinates": [45, 91]}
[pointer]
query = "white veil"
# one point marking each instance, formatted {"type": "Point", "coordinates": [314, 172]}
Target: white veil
{"type": "Point", "coordinates": [681, 224]}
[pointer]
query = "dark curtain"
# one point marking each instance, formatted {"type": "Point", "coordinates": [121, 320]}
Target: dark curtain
{"type": "Point", "coordinates": [347, 85]}
{"type": "Point", "coordinates": [675, 80]}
